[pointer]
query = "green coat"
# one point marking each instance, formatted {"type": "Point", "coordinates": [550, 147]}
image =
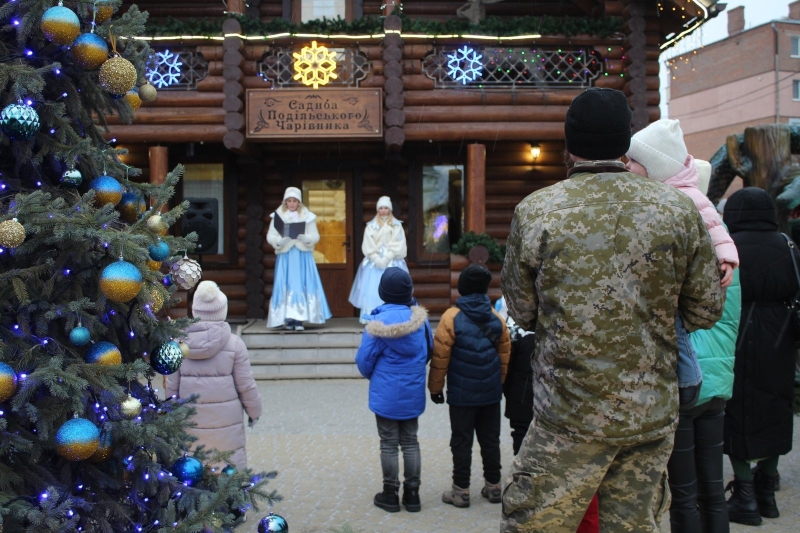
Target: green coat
{"type": "Point", "coordinates": [716, 347]}
{"type": "Point", "coordinates": [599, 265]}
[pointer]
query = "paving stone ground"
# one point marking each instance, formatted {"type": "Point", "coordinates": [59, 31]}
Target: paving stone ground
{"type": "Point", "coordinates": [321, 437]}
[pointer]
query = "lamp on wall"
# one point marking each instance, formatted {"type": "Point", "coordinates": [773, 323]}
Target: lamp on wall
{"type": "Point", "coordinates": [536, 151]}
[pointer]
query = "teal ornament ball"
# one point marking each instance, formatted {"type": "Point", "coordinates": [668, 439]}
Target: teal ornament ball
{"type": "Point", "coordinates": [19, 122]}
{"type": "Point", "coordinates": [120, 281]}
{"type": "Point", "coordinates": [273, 523]}
{"type": "Point", "coordinates": [71, 177]}
{"type": "Point", "coordinates": [229, 470]}
{"type": "Point", "coordinates": [167, 358]}
{"type": "Point", "coordinates": [107, 190]}
{"type": "Point", "coordinates": [188, 470]}
{"type": "Point", "coordinates": [8, 382]}
{"type": "Point", "coordinates": [77, 439]}
{"type": "Point", "coordinates": [158, 251]}
{"type": "Point", "coordinates": [89, 51]}
{"type": "Point", "coordinates": [80, 336]}
{"type": "Point", "coordinates": [60, 25]}
{"type": "Point", "coordinates": [103, 353]}
{"type": "Point", "coordinates": [131, 206]}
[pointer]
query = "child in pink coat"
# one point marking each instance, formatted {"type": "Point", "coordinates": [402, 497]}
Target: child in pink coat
{"type": "Point", "coordinates": [659, 153]}
{"type": "Point", "coordinates": [218, 370]}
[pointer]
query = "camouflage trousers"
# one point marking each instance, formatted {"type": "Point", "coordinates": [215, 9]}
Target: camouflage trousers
{"type": "Point", "coordinates": [552, 481]}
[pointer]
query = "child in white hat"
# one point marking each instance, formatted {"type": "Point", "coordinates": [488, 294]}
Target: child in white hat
{"type": "Point", "coordinates": [297, 293]}
{"type": "Point", "coordinates": [384, 246]}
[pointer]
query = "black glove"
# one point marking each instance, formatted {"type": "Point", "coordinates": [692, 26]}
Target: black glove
{"type": "Point", "coordinates": [437, 398]}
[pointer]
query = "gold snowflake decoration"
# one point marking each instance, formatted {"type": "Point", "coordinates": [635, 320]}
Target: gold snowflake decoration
{"type": "Point", "coordinates": [314, 65]}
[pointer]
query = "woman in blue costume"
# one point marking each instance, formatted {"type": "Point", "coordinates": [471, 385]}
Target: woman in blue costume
{"type": "Point", "coordinates": [297, 293]}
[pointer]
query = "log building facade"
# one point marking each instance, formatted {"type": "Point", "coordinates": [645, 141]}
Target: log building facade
{"type": "Point", "coordinates": [456, 129]}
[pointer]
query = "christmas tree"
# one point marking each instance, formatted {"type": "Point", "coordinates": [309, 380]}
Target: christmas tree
{"type": "Point", "coordinates": [85, 443]}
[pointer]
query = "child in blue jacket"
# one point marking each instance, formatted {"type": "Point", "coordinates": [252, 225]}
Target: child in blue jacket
{"type": "Point", "coordinates": [393, 356]}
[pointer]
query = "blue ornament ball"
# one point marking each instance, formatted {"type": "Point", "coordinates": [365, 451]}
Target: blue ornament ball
{"type": "Point", "coordinates": [107, 190]}
{"type": "Point", "coordinates": [229, 470]}
{"type": "Point", "coordinates": [188, 470]}
{"type": "Point", "coordinates": [19, 122]}
{"type": "Point", "coordinates": [77, 439]}
{"type": "Point", "coordinates": [89, 51]}
{"type": "Point", "coordinates": [167, 281]}
{"type": "Point", "coordinates": [121, 281]}
{"type": "Point", "coordinates": [158, 251]}
{"type": "Point", "coordinates": [80, 336]}
{"type": "Point", "coordinates": [71, 177]}
{"type": "Point", "coordinates": [103, 353]}
{"type": "Point", "coordinates": [167, 358]}
{"type": "Point", "coordinates": [8, 382]}
{"type": "Point", "coordinates": [60, 25]}
{"type": "Point", "coordinates": [273, 523]}
{"type": "Point", "coordinates": [131, 206]}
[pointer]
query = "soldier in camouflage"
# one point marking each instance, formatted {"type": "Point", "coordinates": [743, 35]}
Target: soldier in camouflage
{"type": "Point", "coordinates": [599, 265]}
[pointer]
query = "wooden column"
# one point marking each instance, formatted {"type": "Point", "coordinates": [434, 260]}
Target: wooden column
{"type": "Point", "coordinates": [389, 7]}
{"type": "Point", "coordinates": [236, 6]}
{"type": "Point", "coordinates": [232, 61]}
{"type": "Point", "coordinates": [475, 189]}
{"type": "Point", "coordinates": [637, 67]}
{"type": "Point", "coordinates": [159, 164]}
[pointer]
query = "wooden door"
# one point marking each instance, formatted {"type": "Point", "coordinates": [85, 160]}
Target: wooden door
{"type": "Point", "coordinates": [331, 200]}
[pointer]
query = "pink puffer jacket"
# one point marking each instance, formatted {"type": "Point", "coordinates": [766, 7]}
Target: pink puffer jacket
{"type": "Point", "coordinates": [218, 370]}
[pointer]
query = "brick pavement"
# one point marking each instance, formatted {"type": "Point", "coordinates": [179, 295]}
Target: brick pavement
{"type": "Point", "coordinates": [321, 437]}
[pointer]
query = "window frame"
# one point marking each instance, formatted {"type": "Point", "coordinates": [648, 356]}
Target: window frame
{"type": "Point", "coordinates": [796, 90]}
{"type": "Point", "coordinates": [794, 42]}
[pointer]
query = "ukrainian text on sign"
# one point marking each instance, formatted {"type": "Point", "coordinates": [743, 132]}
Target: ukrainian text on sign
{"type": "Point", "coordinates": [293, 113]}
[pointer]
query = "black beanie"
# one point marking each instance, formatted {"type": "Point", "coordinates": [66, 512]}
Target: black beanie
{"type": "Point", "coordinates": [598, 125]}
{"type": "Point", "coordinates": [474, 279]}
{"type": "Point", "coordinates": [396, 287]}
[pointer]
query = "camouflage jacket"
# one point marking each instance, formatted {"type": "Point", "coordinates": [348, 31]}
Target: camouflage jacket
{"type": "Point", "coordinates": [599, 265]}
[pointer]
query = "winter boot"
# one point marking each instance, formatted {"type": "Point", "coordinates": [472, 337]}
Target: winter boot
{"type": "Point", "coordinates": [777, 479]}
{"type": "Point", "coordinates": [411, 500]}
{"type": "Point", "coordinates": [742, 505]}
{"type": "Point", "coordinates": [457, 496]}
{"type": "Point", "coordinates": [765, 495]}
{"type": "Point", "coordinates": [492, 492]}
{"type": "Point", "coordinates": [388, 499]}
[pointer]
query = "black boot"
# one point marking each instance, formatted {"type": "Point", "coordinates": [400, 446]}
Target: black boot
{"type": "Point", "coordinates": [388, 499]}
{"type": "Point", "coordinates": [777, 480]}
{"type": "Point", "coordinates": [742, 505]}
{"type": "Point", "coordinates": [411, 500]}
{"type": "Point", "coordinates": [765, 495]}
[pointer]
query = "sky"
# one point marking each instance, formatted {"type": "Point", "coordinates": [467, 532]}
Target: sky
{"type": "Point", "coordinates": [756, 12]}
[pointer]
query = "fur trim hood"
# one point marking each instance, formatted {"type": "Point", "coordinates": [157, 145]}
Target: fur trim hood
{"type": "Point", "coordinates": [379, 329]}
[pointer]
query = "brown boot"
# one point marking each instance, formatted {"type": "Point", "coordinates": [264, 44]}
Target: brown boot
{"type": "Point", "coordinates": [456, 496]}
{"type": "Point", "coordinates": [491, 492]}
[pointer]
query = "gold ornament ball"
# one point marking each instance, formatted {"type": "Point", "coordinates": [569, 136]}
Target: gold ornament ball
{"type": "Point", "coordinates": [60, 25]}
{"type": "Point", "coordinates": [103, 12]}
{"type": "Point", "coordinates": [156, 299]}
{"type": "Point", "coordinates": [184, 349]}
{"type": "Point", "coordinates": [130, 407]}
{"type": "Point", "coordinates": [156, 224]}
{"type": "Point", "coordinates": [12, 233]}
{"type": "Point", "coordinates": [133, 99]}
{"type": "Point", "coordinates": [153, 265]}
{"type": "Point", "coordinates": [118, 75]}
{"type": "Point", "coordinates": [148, 93]}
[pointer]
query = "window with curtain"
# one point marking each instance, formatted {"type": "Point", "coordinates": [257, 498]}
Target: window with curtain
{"type": "Point", "coordinates": [442, 194]}
{"type": "Point", "coordinates": [316, 9]}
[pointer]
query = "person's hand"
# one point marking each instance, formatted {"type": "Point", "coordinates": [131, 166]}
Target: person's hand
{"type": "Point", "coordinates": [305, 239]}
{"type": "Point", "coordinates": [283, 242]}
{"type": "Point", "coordinates": [251, 422]}
{"type": "Point", "coordinates": [726, 269]}
{"type": "Point", "coordinates": [437, 398]}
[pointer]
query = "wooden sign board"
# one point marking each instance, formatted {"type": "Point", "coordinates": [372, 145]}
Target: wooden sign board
{"type": "Point", "coordinates": [308, 113]}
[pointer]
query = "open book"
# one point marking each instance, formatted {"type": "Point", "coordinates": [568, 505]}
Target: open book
{"type": "Point", "coordinates": [291, 230]}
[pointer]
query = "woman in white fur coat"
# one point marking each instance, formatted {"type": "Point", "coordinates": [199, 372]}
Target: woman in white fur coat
{"type": "Point", "coordinates": [297, 293]}
{"type": "Point", "coordinates": [384, 246]}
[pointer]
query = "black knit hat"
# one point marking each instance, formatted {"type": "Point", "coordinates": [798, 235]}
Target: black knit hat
{"type": "Point", "coordinates": [474, 279]}
{"type": "Point", "coordinates": [598, 125]}
{"type": "Point", "coordinates": [396, 287]}
{"type": "Point", "coordinates": [750, 209]}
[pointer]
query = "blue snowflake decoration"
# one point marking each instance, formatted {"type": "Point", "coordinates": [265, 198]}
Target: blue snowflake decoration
{"type": "Point", "coordinates": [464, 65]}
{"type": "Point", "coordinates": [165, 70]}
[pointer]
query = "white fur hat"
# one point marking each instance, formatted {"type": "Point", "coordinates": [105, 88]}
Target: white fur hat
{"type": "Point", "coordinates": [660, 149]}
{"type": "Point", "coordinates": [209, 303]}
{"type": "Point", "coordinates": [704, 174]}
{"type": "Point", "coordinates": [384, 201]}
{"type": "Point", "coordinates": [293, 192]}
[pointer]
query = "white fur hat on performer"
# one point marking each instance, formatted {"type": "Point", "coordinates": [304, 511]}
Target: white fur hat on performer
{"type": "Point", "coordinates": [660, 149]}
{"type": "Point", "coordinates": [384, 201]}
{"type": "Point", "coordinates": [293, 192]}
{"type": "Point", "coordinates": [209, 303]}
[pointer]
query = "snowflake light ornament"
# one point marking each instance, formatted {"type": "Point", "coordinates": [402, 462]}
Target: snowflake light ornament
{"type": "Point", "coordinates": [315, 65]}
{"type": "Point", "coordinates": [165, 70]}
{"type": "Point", "coordinates": [464, 65]}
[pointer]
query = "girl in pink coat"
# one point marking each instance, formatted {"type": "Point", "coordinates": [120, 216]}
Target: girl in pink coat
{"type": "Point", "coordinates": [218, 370]}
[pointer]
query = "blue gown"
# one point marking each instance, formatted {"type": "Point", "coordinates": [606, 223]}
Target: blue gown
{"type": "Point", "coordinates": [297, 292]}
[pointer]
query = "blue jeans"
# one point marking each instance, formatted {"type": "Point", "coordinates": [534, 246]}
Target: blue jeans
{"type": "Point", "coordinates": [403, 433]}
{"type": "Point", "coordinates": [689, 373]}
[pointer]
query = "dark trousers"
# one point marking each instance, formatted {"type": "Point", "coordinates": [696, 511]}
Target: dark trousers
{"type": "Point", "coordinates": [483, 422]}
{"type": "Point", "coordinates": [695, 471]}
{"type": "Point", "coordinates": [518, 430]}
{"type": "Point", "coordinates": [402, 433]}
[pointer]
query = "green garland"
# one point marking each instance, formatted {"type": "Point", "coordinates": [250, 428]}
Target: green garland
{"type": "Point", "coordinates": [497, 252]}
{"type": "Point", "coordinates": [546, 25]}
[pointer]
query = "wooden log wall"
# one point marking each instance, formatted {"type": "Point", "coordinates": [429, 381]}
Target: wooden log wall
{"type": "Point", "coordinates": [159, 9]}
{"type": "Point", "coordinates": [444, 10]}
